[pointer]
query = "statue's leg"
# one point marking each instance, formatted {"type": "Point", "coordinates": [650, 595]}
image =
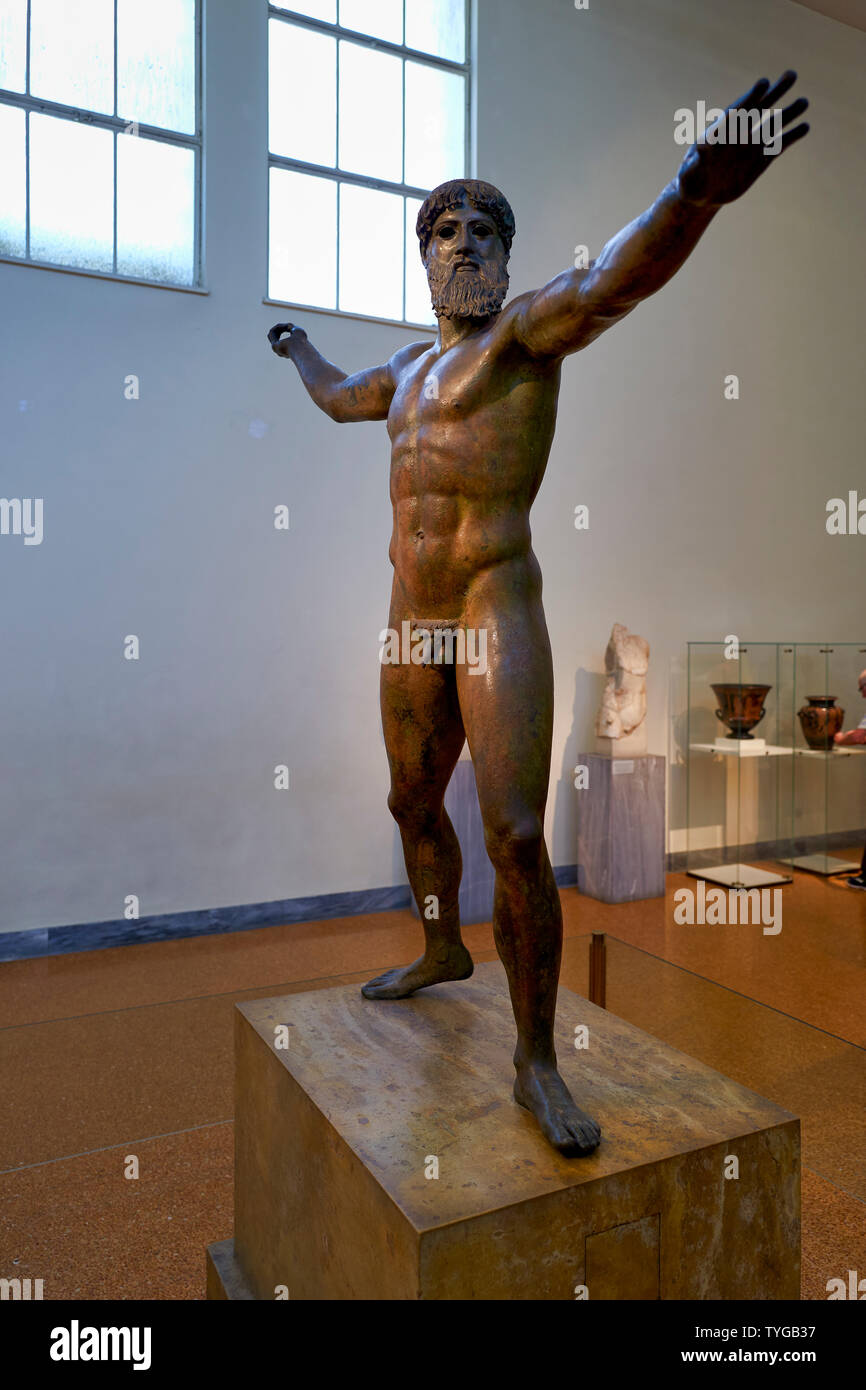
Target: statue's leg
{"type": "Point", "coordinates": [423, 738]}
{"type": "Point", "coordinates": [508, 716]}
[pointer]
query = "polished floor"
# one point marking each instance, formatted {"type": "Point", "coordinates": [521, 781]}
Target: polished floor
{"type": "Point", "coordinates": [120, 1060]}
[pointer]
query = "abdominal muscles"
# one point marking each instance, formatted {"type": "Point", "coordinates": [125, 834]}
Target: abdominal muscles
{"type": "Point", "coordinates": [461, 490]}
{"type": "Point", "coordinates": [442, 549]}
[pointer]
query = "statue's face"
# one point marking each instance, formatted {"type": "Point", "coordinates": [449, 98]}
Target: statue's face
{"type": "Point", "coordinates": [467, 264]}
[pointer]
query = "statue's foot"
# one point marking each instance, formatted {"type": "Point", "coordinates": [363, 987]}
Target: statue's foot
{"type": "Point", "coordinates": [540, 1089]}
{"type": "Point", "coordinates": [451, 963]}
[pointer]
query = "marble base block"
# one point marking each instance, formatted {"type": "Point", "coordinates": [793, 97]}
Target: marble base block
{"type": "Point", "coordinates": [381, 1156]}
{"type": "Point", "coordinates": [621, 828]}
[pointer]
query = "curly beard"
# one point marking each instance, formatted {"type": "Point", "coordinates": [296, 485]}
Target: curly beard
{"type": "Point", "coordinates": [467, 294]}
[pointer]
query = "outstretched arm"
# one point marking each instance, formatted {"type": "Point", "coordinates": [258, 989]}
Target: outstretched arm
{"type": "Point", "coordinates": [578, 305]}
{"type": "Point", "coordinates": [365, 396]}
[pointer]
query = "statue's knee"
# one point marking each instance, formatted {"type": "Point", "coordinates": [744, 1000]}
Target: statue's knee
{"type": "Point", "coordinates": [514, 840]}
{"type": "Point", "coordinates": [398, 805]}
{"type": "Point", "coordinates": [410, 811]}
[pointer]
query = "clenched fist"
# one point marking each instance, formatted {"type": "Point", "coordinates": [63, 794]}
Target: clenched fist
{"type": "Point", "coordinates": [283, 346]}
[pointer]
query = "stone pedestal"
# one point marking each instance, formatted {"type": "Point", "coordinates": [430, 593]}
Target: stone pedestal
{"type": "Point", "coordinates": [381, 1156]}
{"type": "Point", "coordinates": [621, 828]}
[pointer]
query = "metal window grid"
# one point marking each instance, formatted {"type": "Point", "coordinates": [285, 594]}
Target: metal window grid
{"type": "Point", "coordinates": [28, 103]}
{"type": "Point", "coordinates": [340, 176]}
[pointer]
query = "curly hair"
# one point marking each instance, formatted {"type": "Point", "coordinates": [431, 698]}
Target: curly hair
{"type": "Point", "coordinates": [482, 196]}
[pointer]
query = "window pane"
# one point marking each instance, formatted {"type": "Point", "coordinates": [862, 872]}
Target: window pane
{"type": "Point", "coordinates": [303, 239]}
{"type": "Point", "coordinates": [316, 9]}
{"type": "Point", "coordinates": [71, 193]}
{"type": "Point", "coordinates": [155, 210]}
{"type": "Point", "coordinates": [381, 18]}
{"type": "Point", "coordinates": [156, 62]}
{"type": "Point", "coordinates": [371, 113]}
{"type": "Point", "coordinates": [418, 308]}
{"type": "Point", "coordinates": [13, 196]}
{"type": "Point", "coordinates": [371, 252]}
{"type": "Point", "coordinates": [302, 94]}
{"type": "Point", "coordinates": [72, 52]}
{"type": "Point", "coordinates": [435, 125]}
{"type": "Point", "coordinates": [437, 26]}
{"type": "Point", "coordinates": [13, 44]}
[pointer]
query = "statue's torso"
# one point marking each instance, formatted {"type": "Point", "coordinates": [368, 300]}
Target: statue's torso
{"type": "Point", "coordinates": [471, 432]}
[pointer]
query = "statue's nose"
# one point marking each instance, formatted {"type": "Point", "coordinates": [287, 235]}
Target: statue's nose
{"type": "Point", "coordinates": [465, 239]}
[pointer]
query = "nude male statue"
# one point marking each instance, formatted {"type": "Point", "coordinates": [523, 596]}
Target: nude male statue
{"type": "Point", "coordinates": [471, 420]}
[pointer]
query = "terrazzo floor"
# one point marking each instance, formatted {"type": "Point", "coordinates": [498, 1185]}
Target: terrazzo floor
{"type": "Point", "coordinates": [126, 1054]}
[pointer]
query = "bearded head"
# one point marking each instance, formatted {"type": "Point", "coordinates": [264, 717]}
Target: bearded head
{"type": "Point", "coordinates": [465, 286]}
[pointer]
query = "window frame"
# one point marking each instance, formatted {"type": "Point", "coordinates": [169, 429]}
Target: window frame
{"type": "Point", "coordinates": [337, 175]}
{"type": "Point", "coordinates": [195, 141]}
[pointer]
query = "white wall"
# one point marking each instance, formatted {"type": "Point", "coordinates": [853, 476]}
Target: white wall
{"type": "Point", "coordinates": [707, 516]}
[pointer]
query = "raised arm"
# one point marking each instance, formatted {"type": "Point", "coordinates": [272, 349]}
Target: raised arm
{"type": "Point", "coordinates": [578, 305]}
{"type": "Point", "coordinates": [365, 396]}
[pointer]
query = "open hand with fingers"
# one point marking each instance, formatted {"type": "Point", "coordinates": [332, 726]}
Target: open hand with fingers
{"type": "Point", "coordinates": [733, 152]}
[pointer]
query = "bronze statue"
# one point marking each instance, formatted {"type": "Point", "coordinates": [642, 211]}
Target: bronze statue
{"type": "Point", "coordinates": [471, 419]}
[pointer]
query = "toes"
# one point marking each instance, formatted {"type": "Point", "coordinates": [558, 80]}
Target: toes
{"type": "Point", "coordinates": [587, 1136]}
{"type": "Point", "coordinates": [378, 982]}
{"type": "Point", "coordinates": [578, 1134]}
{"type": "Point", "coordinates": [391, 985]}
{"type": "Point", "coordinates": [585, 1130]}
{"type": "Point", "coordinates": [578, 1146]}
{"type": "Point", "coordinates": [574, 1148]}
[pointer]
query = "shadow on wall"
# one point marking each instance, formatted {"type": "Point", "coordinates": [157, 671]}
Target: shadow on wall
{"type": "Point", "coordinates": [701, 725]}
{"type": "Point", "coordinates": [588, 690]}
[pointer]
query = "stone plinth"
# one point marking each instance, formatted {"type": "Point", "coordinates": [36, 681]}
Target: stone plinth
{"type": "Point", "coordinates": [335, 1137]}
{"type": "Point", "coordinates": [621, 828]}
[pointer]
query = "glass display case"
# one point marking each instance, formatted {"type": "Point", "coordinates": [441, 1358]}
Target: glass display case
{"type": "Point", "coordinates": [765, 784]}
{"type": "Point", "coordinates": [828, 781]}
{"type": "Point", "coordinates": [739, 753]}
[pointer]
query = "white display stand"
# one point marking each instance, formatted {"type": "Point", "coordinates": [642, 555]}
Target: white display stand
{"type": "Point", "coordinates": [741, 808]}
{"type": "Point", "coordinates": [826, 864]}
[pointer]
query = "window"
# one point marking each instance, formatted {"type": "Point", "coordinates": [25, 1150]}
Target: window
{"type": "Point", "coordinates": [101, 136]}
{"type": "Point", "coordinates": [368, 110]}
